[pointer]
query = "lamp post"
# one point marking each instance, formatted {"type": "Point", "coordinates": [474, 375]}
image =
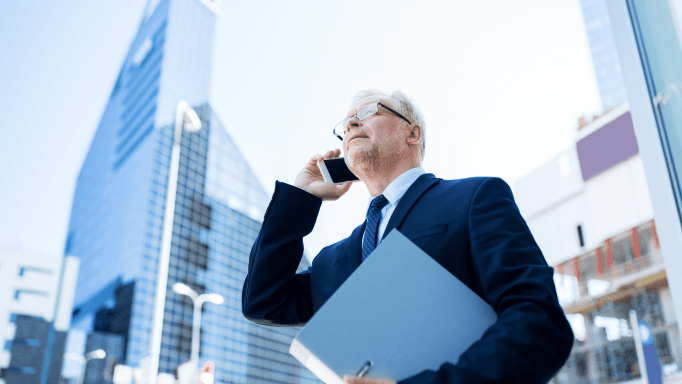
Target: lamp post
{"type": "Point", "coordinates": [185, 117]}
{"type": "Point", "coordinates": [198, 301]}
{"type": "Point", "coordinates": [96, 354]}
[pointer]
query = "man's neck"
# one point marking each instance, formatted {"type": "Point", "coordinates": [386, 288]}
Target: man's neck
{"type": "Point", "coordinates": [377, 180]}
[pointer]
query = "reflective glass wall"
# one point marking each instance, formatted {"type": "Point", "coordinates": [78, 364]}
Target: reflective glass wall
{"type": "Point", "coordinates": [648, 37]}
{"type": "Point", "coordinates": [658, 30]}
{"type": "Point", "coordinates": [118, 213]}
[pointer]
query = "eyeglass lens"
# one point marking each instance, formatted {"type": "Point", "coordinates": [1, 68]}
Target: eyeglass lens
{"type": "Point", "coordinates": [363, 113]}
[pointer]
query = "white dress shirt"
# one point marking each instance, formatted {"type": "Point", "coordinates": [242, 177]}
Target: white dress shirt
{"type": "Point", "coordinates": [393, 193]}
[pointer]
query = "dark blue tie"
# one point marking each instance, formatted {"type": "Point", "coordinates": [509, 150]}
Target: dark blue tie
{"type": "Point", "coordinates": [372, 227]}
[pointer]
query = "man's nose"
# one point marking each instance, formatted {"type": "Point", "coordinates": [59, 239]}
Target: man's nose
{"type": "Point", "coordinates": [353, 123]}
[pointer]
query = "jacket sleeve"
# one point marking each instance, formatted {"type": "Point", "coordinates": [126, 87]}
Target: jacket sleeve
{"type": "Point", "coordinates": [273, 293]}
{"type": "Point", "coordinates": [531, 339]}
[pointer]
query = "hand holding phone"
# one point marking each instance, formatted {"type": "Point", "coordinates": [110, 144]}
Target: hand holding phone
{"type": "Point", "coordinates": [311, 180]}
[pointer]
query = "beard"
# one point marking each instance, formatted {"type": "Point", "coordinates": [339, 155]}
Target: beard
{"type": "Point", "coordinates": [362, 160]}
{"type": "Point", "coordinates": [378, 156]}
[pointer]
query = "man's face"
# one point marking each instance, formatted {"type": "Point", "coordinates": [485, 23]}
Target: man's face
{"type": "Point", "coordinates": [376, 140]}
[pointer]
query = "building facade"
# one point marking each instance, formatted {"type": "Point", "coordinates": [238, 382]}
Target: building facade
{"type": "Point", "coordinates": [117, 215]}
{"type": "Point", "coordinates": [37, 296]}
{"type": "Point", "coordinates": [604, 54]}
{"type": "Point", "coordinates": [590, 211]}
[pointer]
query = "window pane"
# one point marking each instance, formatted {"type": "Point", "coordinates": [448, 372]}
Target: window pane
{"type": "Point", "coordinates": [657, 28]}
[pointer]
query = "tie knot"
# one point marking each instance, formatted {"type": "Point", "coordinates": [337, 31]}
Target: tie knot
{"type": "Point", "coordinates": [377, 204]}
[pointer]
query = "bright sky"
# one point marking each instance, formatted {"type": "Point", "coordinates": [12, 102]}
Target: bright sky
{"type": "Point", "coordinates": [501, 83]}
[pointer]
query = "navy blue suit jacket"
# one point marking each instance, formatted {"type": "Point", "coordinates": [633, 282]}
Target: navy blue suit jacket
{"type": "Point", "coordinates": [472, 227]}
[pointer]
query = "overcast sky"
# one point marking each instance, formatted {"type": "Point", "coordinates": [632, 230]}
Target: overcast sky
{"type": "Point", "coordinates": [501, 83]}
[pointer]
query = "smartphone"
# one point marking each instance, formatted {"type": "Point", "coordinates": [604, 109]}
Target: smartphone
{"type": "Point", "coordinates": [336, 171]}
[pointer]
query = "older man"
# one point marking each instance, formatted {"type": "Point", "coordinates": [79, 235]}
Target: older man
{"type": "Point", "coordinates": [471, 226]}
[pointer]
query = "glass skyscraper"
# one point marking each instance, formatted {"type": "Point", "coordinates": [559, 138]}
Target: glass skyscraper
{"type": "Point", "coordinates": [604, 54]}
{"type": "Point", "coordinates": [117, 215]}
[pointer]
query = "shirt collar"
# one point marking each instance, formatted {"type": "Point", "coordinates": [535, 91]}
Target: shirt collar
{"type": "Point", "coordinates": [399, 186]}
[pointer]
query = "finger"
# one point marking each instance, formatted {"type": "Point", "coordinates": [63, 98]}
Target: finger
{"type": "Point", "coordinates": [334, 153]}
{"type": "Point", "coordinates": [341, 189]}
{"type": "Point", "coordinates": [314, 159]}
{"type": "Point", "coordinates": [330, 154]}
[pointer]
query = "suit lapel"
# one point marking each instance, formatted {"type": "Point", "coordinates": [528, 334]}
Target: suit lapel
{"type": "Point", "coordinates": [355, 247]}
{"type": "Point", "coordinates": [421, 185]}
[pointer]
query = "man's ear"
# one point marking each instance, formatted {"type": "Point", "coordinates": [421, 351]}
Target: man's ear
{"type": "Point", "coordinates": [415, 136]}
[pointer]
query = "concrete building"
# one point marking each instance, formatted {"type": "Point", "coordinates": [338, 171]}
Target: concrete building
{"type": "Point", "coordinates": [36, 292]}
{"type": "Point", "coordinates": [591, 213]}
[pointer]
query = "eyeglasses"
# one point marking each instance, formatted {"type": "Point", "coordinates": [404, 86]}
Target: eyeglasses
{"type": "Point", "coordinates": [368, 110]}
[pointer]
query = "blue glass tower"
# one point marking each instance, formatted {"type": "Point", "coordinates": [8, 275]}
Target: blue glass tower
{"type": "Point", "coordinates": [117, 214]}
{"type": "Point", "coordinates": [604, 53]}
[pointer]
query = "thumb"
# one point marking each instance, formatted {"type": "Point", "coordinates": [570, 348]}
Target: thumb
{"type": "Point", "coordinates": [343, 188]}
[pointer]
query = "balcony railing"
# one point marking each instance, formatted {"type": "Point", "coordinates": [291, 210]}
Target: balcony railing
{"type": "Point", "coordinates": [591, 284]}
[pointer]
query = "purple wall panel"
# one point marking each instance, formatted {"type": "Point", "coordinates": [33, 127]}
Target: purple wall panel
{"type": "Point", "coordinates": [607, 146]}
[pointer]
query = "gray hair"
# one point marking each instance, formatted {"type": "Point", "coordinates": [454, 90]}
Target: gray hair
{"type": "Point", "coordinates": [401, 103]}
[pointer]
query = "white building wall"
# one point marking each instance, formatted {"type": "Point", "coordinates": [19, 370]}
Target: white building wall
{"type": "Point", "coordinates": [549, 185]}
{"type": "Point", "coordinates": [37, 286]}
{"type": "Point", "coordinates": [640, 188]}
{"type": "Point", "coordinates": [71, 264]}
{"type": "Point", "coordinates": [554, 201]}
{"type": "Point", "coordinates": [618, 199]}
{"type": "Point", "coordinates": [556, 231]}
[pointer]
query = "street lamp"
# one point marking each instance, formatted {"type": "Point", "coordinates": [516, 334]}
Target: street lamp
{"type": "Point", "coordinates": [83, 360]}
{"type": "Point", "coordinates": [198, 301]}
{"type": "Point", "coordinates": [185, 117]}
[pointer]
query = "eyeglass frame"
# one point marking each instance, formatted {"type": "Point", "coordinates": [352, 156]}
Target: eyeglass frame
{"type": "Point", "coordinates": [356, 114]}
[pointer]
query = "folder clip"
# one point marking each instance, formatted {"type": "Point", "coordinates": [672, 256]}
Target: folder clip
{"type": "Point", "coordinates": [365, 368]}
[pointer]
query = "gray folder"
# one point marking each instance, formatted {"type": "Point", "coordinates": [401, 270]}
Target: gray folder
{"type": "Point", "coordinates": [398, 314]}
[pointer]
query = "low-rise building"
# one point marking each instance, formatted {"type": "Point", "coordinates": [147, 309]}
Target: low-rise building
{"type": "Point", "coordinates": [36, 292]}
{"type": "Point", "coordinates": [590, 212]}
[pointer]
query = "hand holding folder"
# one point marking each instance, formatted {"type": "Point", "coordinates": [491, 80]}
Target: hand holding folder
{"type": "Point", "coordinates": [398, 314]}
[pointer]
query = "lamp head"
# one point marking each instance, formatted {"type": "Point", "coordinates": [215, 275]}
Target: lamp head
{"type": "Point", "coordinates": [96, 354]}
{"type": "Point", "coordinates": [183, 289]}
{"type": "Point", "coordinates": [215, 298]}
{"type": "Point", "coordinates": [191, 122]}
{"type": "Point", "coordinates": [190, 119]}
